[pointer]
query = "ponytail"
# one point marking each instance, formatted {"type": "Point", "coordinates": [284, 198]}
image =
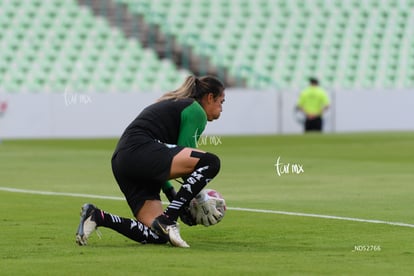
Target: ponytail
{"type": "Point", "coordinates": [195, 88]}
{"type": "Point", "coordinates": [184, 91]}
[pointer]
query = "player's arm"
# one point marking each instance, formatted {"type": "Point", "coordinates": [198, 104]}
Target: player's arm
{"type": "Point", "coordinates": [169, 191]}
{"type": "Point", "coordinates": [301, 102]}
{"type": "Point", "coordinates": [325, 100]}
{"type": "Point", "coordinates": [193, 122]}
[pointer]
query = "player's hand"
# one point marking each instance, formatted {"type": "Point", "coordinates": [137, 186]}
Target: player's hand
{"type": "Point", "coordinates": [205, 210]}
{"type": "Point", "coordinates": [208, 214]}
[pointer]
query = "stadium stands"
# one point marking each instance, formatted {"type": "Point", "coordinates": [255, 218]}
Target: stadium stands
{"type": "Point", "coordinates": [53, 44]}
{"type": "Point", "coordinates": [353, 43]}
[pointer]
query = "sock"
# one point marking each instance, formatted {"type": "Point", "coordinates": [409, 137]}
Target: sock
{"type": "Point", "coordinates": [129, 228]}
{"type": "Point", "coordinates": [206, 169]}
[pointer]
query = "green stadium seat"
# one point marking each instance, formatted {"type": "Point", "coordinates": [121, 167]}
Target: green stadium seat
{"type": "Point", "coordinates": [53, 45]}
{"type": "Point", "coordinates": [350, 43]}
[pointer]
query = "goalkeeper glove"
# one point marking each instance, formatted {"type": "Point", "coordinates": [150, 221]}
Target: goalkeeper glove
{"type": "Point", "coordinates": [204, 210]}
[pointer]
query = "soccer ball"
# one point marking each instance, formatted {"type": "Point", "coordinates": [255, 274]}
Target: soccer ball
{"type": "Point", "coordinates": [200, 205]}
{"type": "Point", "coordinates": [214, 194]}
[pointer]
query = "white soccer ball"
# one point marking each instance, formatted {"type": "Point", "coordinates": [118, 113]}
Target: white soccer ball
{"type": "Point", "coordinates": [214, 194]}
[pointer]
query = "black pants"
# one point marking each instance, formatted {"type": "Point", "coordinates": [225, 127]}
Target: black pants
{"type": "Point", "coordinates": [314, 124]}
{"type": "Point", "coordinates": [142, 171]}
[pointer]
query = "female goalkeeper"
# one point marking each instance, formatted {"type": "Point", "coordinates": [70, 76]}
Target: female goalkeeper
{"type": "Point", "coordinates": [157, 146]}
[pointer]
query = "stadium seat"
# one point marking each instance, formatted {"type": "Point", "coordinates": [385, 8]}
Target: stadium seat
{"type": "Point", "coordinates": [300, 44]}
{"type": "Point", "coordinates": [53, 45]}
{"type": "Point", "coordinates": [266, 42]}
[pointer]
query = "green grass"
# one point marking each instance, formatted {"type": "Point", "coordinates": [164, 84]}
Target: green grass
{"type": "Point", "coordinates": [368, 176]}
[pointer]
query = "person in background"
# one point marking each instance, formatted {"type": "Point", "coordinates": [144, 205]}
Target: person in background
{"type": "Point", "coordinates": [313, 102]}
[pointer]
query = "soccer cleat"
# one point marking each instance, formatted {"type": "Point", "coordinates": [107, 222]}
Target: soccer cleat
{"type": "Point", "coordinates": [86, 225]}
{"type": "Point", "coordinates": [163, 227]}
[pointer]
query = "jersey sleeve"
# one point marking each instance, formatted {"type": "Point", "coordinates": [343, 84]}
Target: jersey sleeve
{"type": "Point", "coordinates": [193, 123]}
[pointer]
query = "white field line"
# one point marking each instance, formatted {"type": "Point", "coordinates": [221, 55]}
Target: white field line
{"type": "Point", "coordinates": [13, 190]}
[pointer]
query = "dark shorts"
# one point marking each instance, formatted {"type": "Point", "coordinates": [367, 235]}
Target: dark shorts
{"type": "Point", "coordinates": [313, 124]}
{"type": "Point", "coordinates": [142, 171]}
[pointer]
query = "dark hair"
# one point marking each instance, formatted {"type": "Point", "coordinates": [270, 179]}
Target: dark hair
{"type": "Point", "coordinates": [314, 81]}
{"type": "Point", "coordinates": [196, 88]}
{"type": "Point", "coordinates": [205, 85]}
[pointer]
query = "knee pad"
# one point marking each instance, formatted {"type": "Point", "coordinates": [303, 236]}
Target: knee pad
{"type": "Point", "coordinates": [207, 160]}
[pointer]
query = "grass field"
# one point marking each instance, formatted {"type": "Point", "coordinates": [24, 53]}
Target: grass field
{"type": "Point", "coordinates": [363, 176]}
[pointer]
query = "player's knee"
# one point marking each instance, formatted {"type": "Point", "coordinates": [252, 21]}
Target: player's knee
{"type": "Point", "coordinates": [212, 161]}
